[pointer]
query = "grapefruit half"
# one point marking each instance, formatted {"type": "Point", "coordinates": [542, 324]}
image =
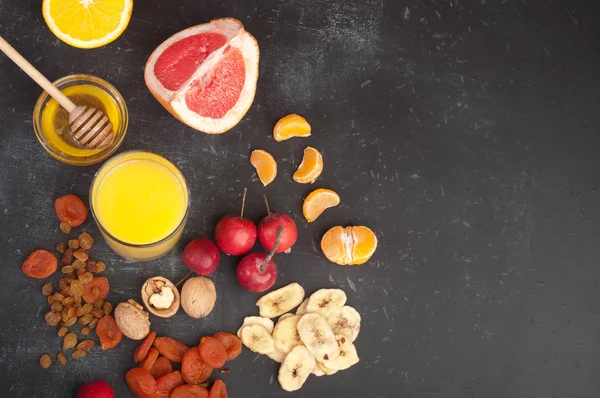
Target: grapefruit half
{"type": "Point", "coordinates": [206, 75]}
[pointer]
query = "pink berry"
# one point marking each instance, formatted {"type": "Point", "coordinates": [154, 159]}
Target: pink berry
{"type": "Point", "coordinates": [267, 232]}
{"type": "Point", "coordinates": [201, 255]}
{"type": "Point", "coordinates": [96, 389]}
{"type": "Point", "coordinates": [255, 273]}
{"type": "Point", "coordinates": [235, 235]}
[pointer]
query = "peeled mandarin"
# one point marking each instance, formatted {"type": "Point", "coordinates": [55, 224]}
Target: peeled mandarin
{"type": "Point", "coordinates": [317, 202]}
{"type": "Point", "coordinates": [350, 245]}
{"type": "Point", "coordinates": [291, 126]}
{"type": "Point", "coordinates": [310, 168]}
{"type": "Point", "coordinates": [265, 166]}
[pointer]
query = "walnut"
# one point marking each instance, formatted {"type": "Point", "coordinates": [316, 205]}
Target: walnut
{"type": "Point", "coordinates": [132, 320]}
{"type": "Point", "coordinates": [160, 297]}
{"type": "Point", "coordinates": [198, 297]}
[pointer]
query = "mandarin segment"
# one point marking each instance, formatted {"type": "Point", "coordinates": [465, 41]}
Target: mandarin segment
{"type": "Point", "coordinates": [291, 126]}
{"type": "Point", "coordinates": [265, 165]}
{"type": "Point", "coordinates": [317, 202]}
{"type": "Point", "coordinates": [350, 245]}
{"type": "Point", "coordinates": [310, 168]}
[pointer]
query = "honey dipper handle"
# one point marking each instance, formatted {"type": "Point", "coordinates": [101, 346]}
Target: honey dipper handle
{"type": "Point", "coordinates": [36, 75]}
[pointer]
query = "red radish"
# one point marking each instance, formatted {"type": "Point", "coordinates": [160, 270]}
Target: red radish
{"type": "Point", "coordinates": [96, 389]}
{"type": "Point", "coordinates": [257, 272]}
{"type": "Point", "coordinates": [201, 255]}
{"type": "Point", "coordinates": [269, 226]}
{"type": "Point", "coordinates": [235, 235]}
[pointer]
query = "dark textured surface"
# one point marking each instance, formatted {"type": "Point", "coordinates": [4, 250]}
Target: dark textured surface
{"type": "Point", "coordinates": [465, 133]}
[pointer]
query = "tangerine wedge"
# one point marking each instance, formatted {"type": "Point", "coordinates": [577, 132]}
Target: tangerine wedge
{"type": "Point", "coordinates": [291, 126]}
{"type": "Point", "coordinates": [317, 202]}
{"type": "Point", "coordinates": [310, 168]}
{"type": "Point", "coordinates": [350, 245]}
{"type": "Point", "coordinates": [265, 165]}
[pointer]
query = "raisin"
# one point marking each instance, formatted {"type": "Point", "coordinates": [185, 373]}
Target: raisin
{"type": "Point", "coordinates": [61, 247]}
{"type": "Point", "coordinates": [86, 241]}
{"type": "Point", "coordinates": [96, 291]}
{"type": "Point", "coordinates": [63, 316]}
{"type": "Point", "coordinates": [58, 297]}
{"type": "Point", "coordinates": [62, 332]}
{"type": "Point", "coordinates": [91, 265]}
{"type": "Point", "coordinates": [62, 284]}
{"type": "Point", "coordinates": [73, 244]}
{"type": "Point", "coordinates": [79, 312]}
{"type": "Point", "coordinates": [72, 312]}
{"type": "Point", "coordinates": [68, 301]}
{"type": "Point", "coordinates": [107, 308]}
{"type": "Point", "coordinates": [47, 289]}
{"type": "Point", "coordinates": [65, 227]}
{"type": "Point", "coordinates": [85, 331]}
{"type": "Point", "coordinates": [93, 323]}
{"type": "Point", "coordinates": [81, 254]}
{"type": "Point", "coordinates": [84, 320]}
{"type": "Point", "coordinates": [45, 361]}
{"type": "Point", "coordinates": [67, 269]}
{"type": "Point", "coordinates": [70, 277]}
{"type": "Point", "coordinates": [86, 277]}
{"type": "Point", "coordinates": [82, 271]}
{"type": "Point", "coordinates": [100, 267]}
{"type": "Point", "coordinates": [98, 313]}
{"type": "Point", "coordinates": [56, 307]}
{"type": "Point", "coordinates": [76, 288]}
{"type": "Point", "coordinates": [62, 358]}
{"type": "Point", "coordinates": [51, 299]}
{"type": "Point", "coordinates": [78, 264]}
{"type": "Point", "coordinates": [66, 292]}
{"type": "Point", "coordinates": [52, 318]}
{"type": "Point", "coordinates": [87, 308]}
{"type": "Point", "coordinates": [85, 345]}
{"type": "Point", "coordinates": [78, 354]}
{"type": "Point", "coordinates": [67, 257]}
{"type": "Point", "coordinates": [70, 322]}
{"type": "Point", "coordinates": [69, 341]}
{"type": "Point", "coordinates": [99, 303]}
{"type": "Point", "coordinates": [71, 210]}
{"type": "Point", "coordinates": [40, 264]}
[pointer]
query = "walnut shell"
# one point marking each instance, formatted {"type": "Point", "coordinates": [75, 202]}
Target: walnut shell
{"type": "Point", "coordinates": [198, 297]}
{"type": "Point", "coordinates": [132, 320]}
{"type": "Point", "coordinates": [149, 288]}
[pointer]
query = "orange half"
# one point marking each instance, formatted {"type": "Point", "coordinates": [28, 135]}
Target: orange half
{"type": "Point", "coordinates": [317, 202]}
{"type": "Point", "coordinates": [350, 245]}
{"type": "Point", "coordinates": [291, 126]}
{"type": "Point", "coordinates": [265, 166]}
{"type": "Point", "coordinates": [310, 168]}
{"type": "Point", "coordinates": [364, 244]}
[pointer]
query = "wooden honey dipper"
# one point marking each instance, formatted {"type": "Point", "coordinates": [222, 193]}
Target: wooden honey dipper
{"type": "Point", "coordinates": [89, 126]}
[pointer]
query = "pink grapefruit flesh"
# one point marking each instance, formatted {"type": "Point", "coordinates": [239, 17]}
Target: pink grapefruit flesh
{"type": "Point", "coordinates": [206, 75]}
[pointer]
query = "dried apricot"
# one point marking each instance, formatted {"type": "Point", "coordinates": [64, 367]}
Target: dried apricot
{"type": "Point", "coordinates": [47, 289]}
{"type": "Point", "coordinates": [78, 354]}
{"type": "Point", "coordinates": [161, 367]}
{"type": "Point", "coordinates": [212, 352]}
{"type": "Point", "coordinates": [98, 285]}
{"type": "Point", "coordinates": [85, 345]}
{"type": "Point", "coordinates": [218, 390]}
{"type": "Point", "coordinates": [71, 209]}
{"type": "Point", "coordinates": [142, 350]}
{"type": "Point", "coordinates": [45, 361]}
{"type": "Point", "coordinates": [108, 332]}
{"type": "Point", "coordinates": [40, 264]}
{"type": "Point", "coordinates": [67, 257]}
{"type": "Point", "coordinates": [169, 382]}
{"type": "Point", "coordinates": [73, 244]}
{"type": "Point", "coordinates": [69, 341]}
{"type": "Point", "coordinates": [62, 358]}
{"type": "Point", "coordinates": [52, 318]}
{"type": "Point", "coordinates": [141, 383]}
{"type": "Point", "coordinates": [85, 241]}
{"type": "Point", "coordinates": [231, 342]}
{"type": "Point", "coordinates": [170, 348]}
{"type": "Point", "coordinates": [61, 247]}
{"type": "Point", "coordinates": [150, 359]}
{"type": "Point", "coordinates": [189, 391]}
{"type": "Point", "coordinates": [193, 369]}
{"type": "Point", "coordinates": [81, 255]}
{"type": "Point", "coordinates": [65, 227]}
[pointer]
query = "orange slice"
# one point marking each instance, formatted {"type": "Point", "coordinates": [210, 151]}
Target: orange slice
{"type": "Point", "coordinates": [265, 166]}
{"type": "Point", "coordinates": [291, 126]}
{"type": "Point", "coordinates": [350, 245]}
{"type": "Point", "coordinates": [317, 201]}
{"type": "Point", "coordinates": [310, 168]}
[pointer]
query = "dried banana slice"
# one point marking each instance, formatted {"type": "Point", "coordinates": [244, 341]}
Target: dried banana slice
{"type": "Point", "coordinates": [257, 339]}
{"type": "Point", "coordinates": [302, 309]}
{"type": "Point", "coordinates": [326, 370]}
{"type": "Point", "coordinates": [348, 355]}
{"type": "Point", "coordinates": [280, 301]}
{"type": "Point", "coordinates": [345, 321]}
{"type": "Point", "coordinates": [277, 355]}
{"type": "Point", "coordinates": [285, 333]}
{"type": "Point", "coordinates": [257, 320]}
{"type": "Point", "coordinates": [295, 368]}
{"type": "Point", "coordinates": [316, 334]}
{"type": "Point", "coordinates": [325, 301]}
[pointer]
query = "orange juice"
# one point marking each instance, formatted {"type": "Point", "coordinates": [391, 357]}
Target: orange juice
{"type": "Point", "coordinates": [140, 202]}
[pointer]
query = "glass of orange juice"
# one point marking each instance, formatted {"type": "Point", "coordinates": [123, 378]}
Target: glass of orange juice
{"type": "Point", "coordinates": [140, 202]}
